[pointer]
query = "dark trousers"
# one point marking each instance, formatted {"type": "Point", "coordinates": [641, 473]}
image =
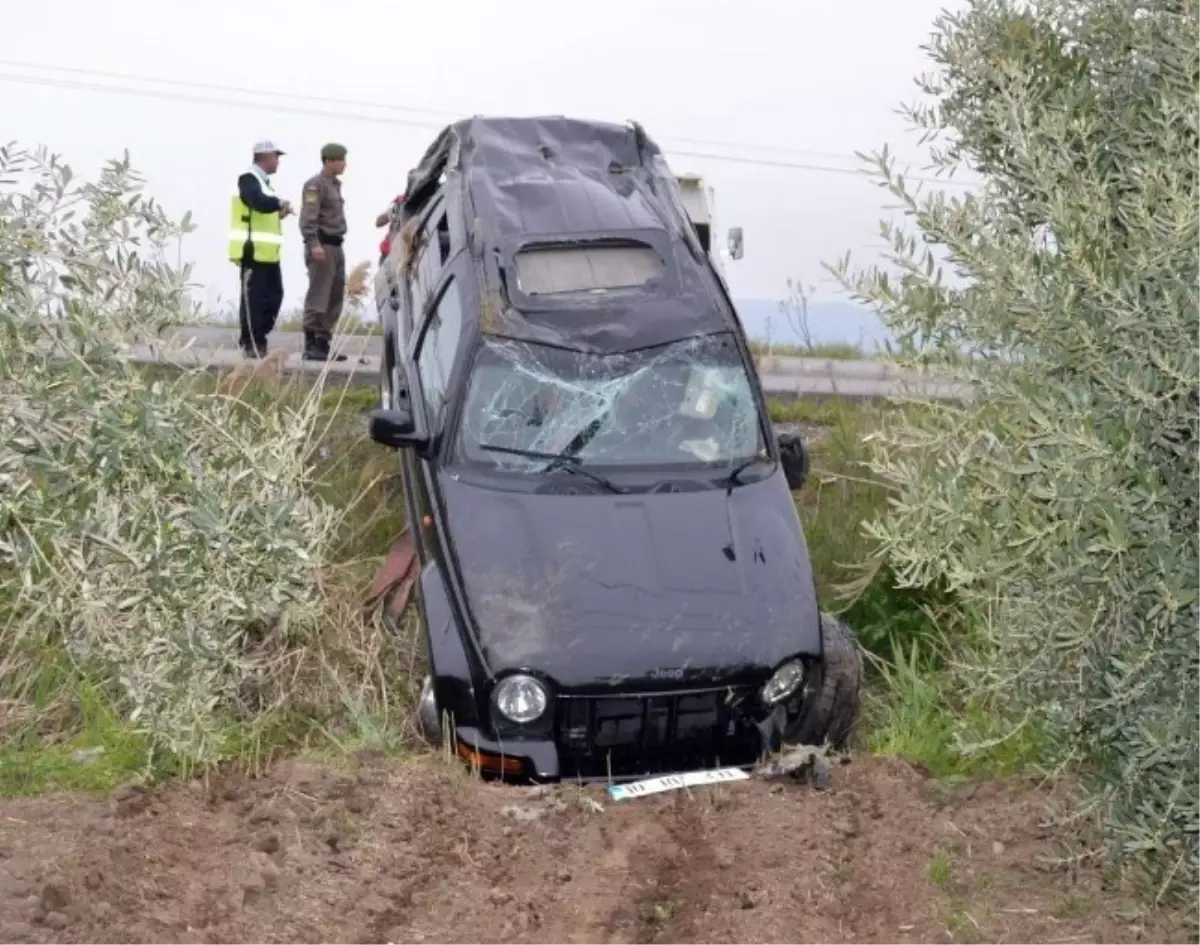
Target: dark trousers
{"type": "Point", "coordinates": [261, 299]}
{"type": "Point", "coordinates": [326, 293]}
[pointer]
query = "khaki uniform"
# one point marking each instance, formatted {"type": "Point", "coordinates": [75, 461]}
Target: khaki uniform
{"type": "Point", "coordinates": [323, 222]}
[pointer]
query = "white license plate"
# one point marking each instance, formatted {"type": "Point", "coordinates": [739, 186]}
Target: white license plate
{"type": "Point", "coordinates": [673, 782]}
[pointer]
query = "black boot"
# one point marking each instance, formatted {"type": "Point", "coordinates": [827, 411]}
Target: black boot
{"type": "Point", "coordinates": [255, 350]}
{"type": "Point", "coordinates": [323, 353]}
{"type": "Point", "coordinates": [329, 356]}
{"type": "Point", "coordinates": [313, 350]}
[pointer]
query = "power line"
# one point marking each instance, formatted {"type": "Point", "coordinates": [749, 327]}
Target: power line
{"type": "Point", "coordinates": [448, 114]}
{"type": "Point", "coordinates": [210, 100]}
{"type": "Point", "coordinates": [226, 101]}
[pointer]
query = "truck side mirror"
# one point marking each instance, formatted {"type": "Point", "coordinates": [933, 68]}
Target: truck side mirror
{"type": "Point", "coordinates": [736, 247]}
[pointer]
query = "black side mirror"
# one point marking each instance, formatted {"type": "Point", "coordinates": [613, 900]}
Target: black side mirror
{"type": "Point", "coordinates": [794, 459]}
{"type": "Point", "coordinates": [395, 428]}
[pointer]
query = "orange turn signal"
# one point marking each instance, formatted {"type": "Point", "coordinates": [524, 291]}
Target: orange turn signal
{"type": "Point", "coordinates": [486, 761]}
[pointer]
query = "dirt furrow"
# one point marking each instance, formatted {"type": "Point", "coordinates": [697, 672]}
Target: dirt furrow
{"type": "Point", "coordinates": [418, 851]}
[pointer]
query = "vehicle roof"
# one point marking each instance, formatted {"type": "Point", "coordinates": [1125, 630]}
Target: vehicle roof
{"type": "Point", "coordinates": [547, 180]}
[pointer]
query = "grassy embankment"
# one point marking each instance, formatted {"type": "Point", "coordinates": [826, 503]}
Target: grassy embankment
{"type": "Point", "coordinates": [907, 710]}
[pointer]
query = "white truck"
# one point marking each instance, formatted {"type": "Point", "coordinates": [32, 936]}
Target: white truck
{"type": "Point", "coordinates": [699, 201]}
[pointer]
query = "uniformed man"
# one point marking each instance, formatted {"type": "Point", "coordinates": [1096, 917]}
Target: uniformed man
{"type": "Point", "coordinates": [323, 226]}
{"type": "Point", "coordinates": [255, 242]}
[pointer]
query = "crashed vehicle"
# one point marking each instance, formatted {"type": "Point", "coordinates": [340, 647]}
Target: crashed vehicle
{"type": "Point", "coordinates": [613, 580]}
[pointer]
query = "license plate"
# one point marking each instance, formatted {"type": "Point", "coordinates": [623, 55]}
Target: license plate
{"type": "Point", "coordinates": [673, 782]}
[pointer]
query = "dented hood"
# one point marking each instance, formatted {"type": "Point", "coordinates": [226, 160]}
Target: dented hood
{"type": "Point", "coordinates": [603, 589]}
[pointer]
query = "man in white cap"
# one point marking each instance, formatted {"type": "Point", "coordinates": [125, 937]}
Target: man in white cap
{"type": "Point", "coordinates": [255, 244]}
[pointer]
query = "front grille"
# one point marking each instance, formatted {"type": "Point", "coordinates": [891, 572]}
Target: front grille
{"type": "Point", "coordinates": [654, 733]}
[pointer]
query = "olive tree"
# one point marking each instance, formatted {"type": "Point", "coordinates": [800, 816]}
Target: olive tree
{"type": "Point", "coordinates": [160, 542]}
{"type": "Point", "coordinates": [1060, 503]}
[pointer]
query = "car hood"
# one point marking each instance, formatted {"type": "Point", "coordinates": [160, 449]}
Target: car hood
{"type": "Point", "coordinates": [657, 589]}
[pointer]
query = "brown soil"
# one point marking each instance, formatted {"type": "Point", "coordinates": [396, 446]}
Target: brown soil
{"type": "Point", "coordinates": [418, 851]}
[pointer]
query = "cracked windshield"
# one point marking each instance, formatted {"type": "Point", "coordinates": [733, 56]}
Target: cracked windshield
{"type": "Point", "coordinates": [683, 404]}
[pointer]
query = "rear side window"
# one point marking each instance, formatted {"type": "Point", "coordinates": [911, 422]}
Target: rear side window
{"type": "Point", "coordinates": [435, 357]}
{"type": "Point", "coordinates": [552, 270]}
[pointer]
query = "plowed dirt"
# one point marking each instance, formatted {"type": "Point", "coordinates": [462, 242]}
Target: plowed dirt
{"type": "Point", "coordinates": [418, 851]}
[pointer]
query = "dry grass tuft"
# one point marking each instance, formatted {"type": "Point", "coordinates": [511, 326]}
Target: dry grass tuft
{"type": "Point", "coordinates": [358, 282]}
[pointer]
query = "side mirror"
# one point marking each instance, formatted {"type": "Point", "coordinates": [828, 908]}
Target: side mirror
{"type": "Point", "coordinates": [395, 428]}
{"type": "Point", "coordinates": [794, 459]}
{"type": "Point", "coordinates": [736, 247]}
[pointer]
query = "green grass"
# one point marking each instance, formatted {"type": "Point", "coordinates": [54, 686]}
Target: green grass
{"type": "Point", "coordinates": [940, 868]}
{"type": "Point", "coordinates": [100, 753]}
{"type": "Point", "coordinates": [915, 712]}
{"type": "Point", "coordinates": [911, 713]}
{"type": "Point", "coordinates": [838, 351]}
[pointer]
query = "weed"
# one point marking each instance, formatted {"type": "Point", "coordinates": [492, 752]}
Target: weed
{"type": "Point", "coordinates": [920, 716]}
{"type": "Point", "coordinates": [960, 924]}
{"type": "Point", "coordinates": [1069, 906]}
{"type": "Point", "coordinates": [940, 869]}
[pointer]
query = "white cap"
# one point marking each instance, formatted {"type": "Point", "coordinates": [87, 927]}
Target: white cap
{"type": "Point", "coordinates": [267, 147]}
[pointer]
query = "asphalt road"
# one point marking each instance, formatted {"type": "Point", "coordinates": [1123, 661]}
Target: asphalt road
{"type": "Point", "coordinates": [216, 348]}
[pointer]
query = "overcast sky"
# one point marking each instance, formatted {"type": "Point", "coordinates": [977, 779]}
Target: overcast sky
{"type": "Point", "coordinates": [773, 80]}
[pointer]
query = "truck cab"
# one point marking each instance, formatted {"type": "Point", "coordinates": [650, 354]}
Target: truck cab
{"type": "Point", "coordinates": [699, 201]}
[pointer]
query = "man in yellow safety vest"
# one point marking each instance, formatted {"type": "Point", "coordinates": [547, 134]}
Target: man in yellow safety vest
{"type": "Point", "coordinates": [255, 243]}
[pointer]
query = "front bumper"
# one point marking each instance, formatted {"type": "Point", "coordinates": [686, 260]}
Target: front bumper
{"type": "Point", "coordinates": [624, 737]}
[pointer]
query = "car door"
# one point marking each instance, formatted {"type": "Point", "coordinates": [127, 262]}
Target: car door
{"type": "Point", "coordinates": [403, 291]}
{"type": "Point", "coordinates": [434, 358]}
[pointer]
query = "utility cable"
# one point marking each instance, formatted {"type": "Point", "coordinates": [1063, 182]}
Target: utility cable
{"type": "Point", "coordinates": [227, 101]}
{"type": "Point", "coordinates": [448, 114]}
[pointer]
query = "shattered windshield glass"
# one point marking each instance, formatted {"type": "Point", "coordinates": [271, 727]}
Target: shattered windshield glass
{"type": "Point", "coordinates": [683, 404]}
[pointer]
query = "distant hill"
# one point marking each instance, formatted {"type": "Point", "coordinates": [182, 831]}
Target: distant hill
{"type": "Point", "coordinates": [829, 322]}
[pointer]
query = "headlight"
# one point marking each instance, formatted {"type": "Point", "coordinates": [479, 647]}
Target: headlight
{"type": "Point", "coordinates": [521, 699]}
{"type": "Point", "coordinates": [783, 683]}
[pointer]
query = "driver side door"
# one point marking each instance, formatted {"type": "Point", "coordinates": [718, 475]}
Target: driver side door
{"type": "Point", "coordinates": [434, 357]}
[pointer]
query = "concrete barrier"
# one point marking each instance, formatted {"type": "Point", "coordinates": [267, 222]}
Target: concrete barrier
{"type": "Point", "coordinates": [215, 349]}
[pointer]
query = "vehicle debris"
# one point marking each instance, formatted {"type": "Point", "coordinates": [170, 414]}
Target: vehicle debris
{"type": "Point", "coordinates": [802, 762]}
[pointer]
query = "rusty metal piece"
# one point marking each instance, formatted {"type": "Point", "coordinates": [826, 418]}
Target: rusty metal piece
{"type": "Point", "coordinates": [393, 582]}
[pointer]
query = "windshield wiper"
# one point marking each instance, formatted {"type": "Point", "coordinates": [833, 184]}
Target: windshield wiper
{"type": "Point", "coordinates": [735, 474]}
{"type": "Point", "coordinates": [572, 464]}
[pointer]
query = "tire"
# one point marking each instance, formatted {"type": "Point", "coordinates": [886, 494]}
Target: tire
{"type": "Point", "coordinates": [429, 723]}
{"type": "Point", "coordinates": [830, 708]}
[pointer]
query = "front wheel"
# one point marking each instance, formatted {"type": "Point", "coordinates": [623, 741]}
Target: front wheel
{"type": "Point", "coordinates": [831, 699]}
{"type": "Point", "coordinates": [429, 723]}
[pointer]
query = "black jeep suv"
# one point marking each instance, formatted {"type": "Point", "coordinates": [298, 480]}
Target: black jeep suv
{"type": "Point", "coordinates": [614, 581]}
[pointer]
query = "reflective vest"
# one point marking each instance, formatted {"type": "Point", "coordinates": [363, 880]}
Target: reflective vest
{"type": "Point", "coordinates": [264, 231]}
